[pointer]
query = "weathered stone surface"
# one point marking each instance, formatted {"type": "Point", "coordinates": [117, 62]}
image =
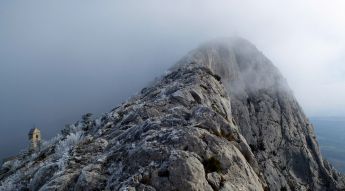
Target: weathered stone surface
{"type": "Point", "coordinates": [215, 180]}
{"type": "Point", "coordinates": [90, 178]}
{"type": "Point", "coordinates": [63, 182]}
{"type": "Point", "coordinates": [42, 176]}
{"type": "Point", "coordinates": [223, 119]}
{"type": "Point", "coordinates": [268, 116]}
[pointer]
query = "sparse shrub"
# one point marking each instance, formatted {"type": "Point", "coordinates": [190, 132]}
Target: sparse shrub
{"type": "Point", "coordinates": [87, 121]}
{"type": "Point", "coordinates": [217, 77]}
{"type": "Point", "coordinates": [87, 117]}
{"type": "Point", "coordinates": [72, 129]}
{"type": "Point", "coordinates": [217, 133]}
{"type": "Point", "coordinates": [71, 140]}
{"type": "Point", "coordinates": [98, 122]}
{"type": "Point", "coordinates": [64, 146]}
{"type": "Point", "coordinates": [228, 136]}
{"type": "Point", "coordinates": [212, 165]}
{"type": "Point", "coordinates": [52, 141]}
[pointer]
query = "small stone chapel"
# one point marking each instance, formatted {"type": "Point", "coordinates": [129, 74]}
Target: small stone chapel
{"type": "Point", "coordinates": [34, 138]}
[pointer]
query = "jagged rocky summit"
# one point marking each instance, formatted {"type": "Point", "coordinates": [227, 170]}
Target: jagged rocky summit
{"type": "Point", "coordinates": [223, 118]}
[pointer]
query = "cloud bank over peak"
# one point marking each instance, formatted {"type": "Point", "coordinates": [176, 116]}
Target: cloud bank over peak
{"type": "Point", "coordinates": [60, 59]}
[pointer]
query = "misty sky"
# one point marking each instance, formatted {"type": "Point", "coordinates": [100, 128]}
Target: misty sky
{"type": "Point", "coordinates": [60, 59]}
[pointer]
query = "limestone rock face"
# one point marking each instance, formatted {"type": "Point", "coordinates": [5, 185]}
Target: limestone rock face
{"type": "Point", "coordinates": [223, 118]}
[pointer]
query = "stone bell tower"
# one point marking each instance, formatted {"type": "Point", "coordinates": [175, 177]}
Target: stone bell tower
{"type": "Point", "coordinates": [34, 138]}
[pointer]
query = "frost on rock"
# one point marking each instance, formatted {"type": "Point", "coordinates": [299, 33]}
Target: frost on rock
{"type": "Point", "coordinates": [64, 146]}
{"type": "Point", "coordinates": [221, 119]}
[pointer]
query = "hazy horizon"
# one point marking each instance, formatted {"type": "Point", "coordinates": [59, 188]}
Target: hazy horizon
{"type": "Point", "coordinates": [59, 60]}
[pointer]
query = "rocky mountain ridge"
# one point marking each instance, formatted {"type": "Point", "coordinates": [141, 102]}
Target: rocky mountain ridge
{"type": "Point", "coordinates": [223, 118]}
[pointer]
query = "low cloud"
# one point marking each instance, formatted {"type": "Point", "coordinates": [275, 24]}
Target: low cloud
{"type": "Point", "coordinates": [64, 58]}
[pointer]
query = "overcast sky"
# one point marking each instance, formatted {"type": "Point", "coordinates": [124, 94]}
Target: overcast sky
{"type": "Point", "coordinates": [60, 59]}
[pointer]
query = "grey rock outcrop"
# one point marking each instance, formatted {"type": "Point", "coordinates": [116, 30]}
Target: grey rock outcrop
{"type": "Point", "coordinates": [222, 119]}
{"type": "Point", "coordinates": [269, 117]}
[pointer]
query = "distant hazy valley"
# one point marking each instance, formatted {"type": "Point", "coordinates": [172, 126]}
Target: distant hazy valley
{"type": "Point", "coordinates": [331, 137]}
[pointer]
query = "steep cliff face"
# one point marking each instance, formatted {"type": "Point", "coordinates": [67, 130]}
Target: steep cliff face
{"type": "Point", "coordinates": [269, 117]}
{"type": "Point", "coordinates": [223, 118]}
